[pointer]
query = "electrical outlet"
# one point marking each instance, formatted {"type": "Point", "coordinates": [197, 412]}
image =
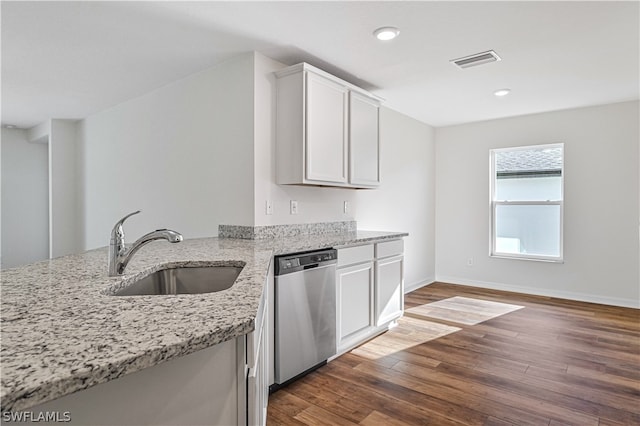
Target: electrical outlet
{"type": "Point", "coordinates": [268, 207]}
{"type": "Point", "coordinates": [294, 207]}
{"type": "Point", "coordinates": [470, 261]}
{"type": "Point", "coordinates": [346, 207]}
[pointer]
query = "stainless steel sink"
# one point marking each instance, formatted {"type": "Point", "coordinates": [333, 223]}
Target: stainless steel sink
{"type": "Point", "coordinates": [184, 280]}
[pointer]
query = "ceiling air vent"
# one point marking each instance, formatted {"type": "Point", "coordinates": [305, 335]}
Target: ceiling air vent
{"type": "Point", "coordinates": [477, 59]}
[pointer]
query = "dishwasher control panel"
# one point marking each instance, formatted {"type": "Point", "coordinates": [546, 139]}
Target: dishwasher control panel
{"type": "Point", "coordinates": [289, 263]}
{"type": "Point", "coordinates": [297, 262]}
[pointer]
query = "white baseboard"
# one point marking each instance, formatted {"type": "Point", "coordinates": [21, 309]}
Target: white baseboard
{"type": "Point", "coordinates": [408, 288]}
{"type": "Point", "coordinates": [581, 297]}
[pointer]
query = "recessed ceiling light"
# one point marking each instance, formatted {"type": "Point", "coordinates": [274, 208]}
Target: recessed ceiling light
{"type": "Point", "coordinates": [502, 92]}
{"type": "Point", "coordinates": [386, 33]}
{"type": "Point", "coordinates": [9, 126]}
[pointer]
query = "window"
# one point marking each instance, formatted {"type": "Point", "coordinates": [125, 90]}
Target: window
{"type": "Point", "coordinates": [527, 202]}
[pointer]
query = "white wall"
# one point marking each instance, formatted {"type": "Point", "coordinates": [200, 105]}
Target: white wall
{"type": "Point", "coordinates": [315, 204]}
{"type": "Point", "coordinates": [63, 189]}
{"type": "Point", "coordinates": [183, 154]}
{"type": "Point", "coordinates": [25, 211]}
{"type": "Point", "coordinates": [405, 199]}
{"type": "Point", "coordinates": [601, 241]}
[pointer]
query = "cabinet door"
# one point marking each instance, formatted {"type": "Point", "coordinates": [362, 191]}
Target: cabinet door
{"type": "Point", "coordinates": [389, 289]}
{"type": "Point", "coordinates": [326, 130]}
{"type": "Point", "coordinates": [256, 385]}
{"type": "Point", "coordinates": [355, 303]}
{"type": "Point", "coordinates": [363, 141]}
{"type": "Point", "coordinates": [258, 370]}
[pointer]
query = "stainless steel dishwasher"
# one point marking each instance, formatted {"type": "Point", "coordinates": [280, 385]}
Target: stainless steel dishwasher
{"type": "Point", "coordinates": [305, 312]}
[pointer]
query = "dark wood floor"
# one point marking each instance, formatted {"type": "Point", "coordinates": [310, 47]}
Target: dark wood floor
{"type": "Point", "coordinates": [555, 362]}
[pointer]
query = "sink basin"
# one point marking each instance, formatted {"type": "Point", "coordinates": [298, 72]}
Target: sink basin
{"type": "Point", "coordinates": [185, 280]}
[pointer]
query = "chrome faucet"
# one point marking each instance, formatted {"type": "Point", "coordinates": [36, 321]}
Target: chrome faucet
{"type": "Point", "coordinates": [119, 255]}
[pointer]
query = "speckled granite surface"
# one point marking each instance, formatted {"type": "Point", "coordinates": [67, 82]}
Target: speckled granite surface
{"type": "Point", "coordinates": [312, 242]}
{"type": "Point", "coordinates": [286, 231]}
{"type": "Point", "coordinates": [62, 332]}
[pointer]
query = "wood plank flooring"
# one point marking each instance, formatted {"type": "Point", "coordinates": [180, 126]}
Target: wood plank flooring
{"type": "Point", "coordinates": [555, 362]}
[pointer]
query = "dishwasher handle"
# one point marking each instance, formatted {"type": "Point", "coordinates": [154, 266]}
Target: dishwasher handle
{"type": "Point", "coordinates": [312, 266]}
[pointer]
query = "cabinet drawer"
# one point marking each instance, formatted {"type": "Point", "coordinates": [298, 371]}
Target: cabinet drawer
{"type": "Point", "coordinates": [353, 255]}
{"type": "Point", "coordinates": [389, 248]}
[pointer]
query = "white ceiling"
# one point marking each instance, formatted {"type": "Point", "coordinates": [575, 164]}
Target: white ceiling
{"type": "Point", "coordinates": [73, 59]}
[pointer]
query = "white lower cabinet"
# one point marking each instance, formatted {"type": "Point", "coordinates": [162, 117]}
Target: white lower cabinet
{"type": "Point", "coordinates": [389, 281]}
{"type": "Point", "coordinates": [389, 286]}
{"type": "Point", "coordinates": [206, 387]}
{"type": "Point", "coordinates": [370, 291]}
{"type": "Point", "coordinates": [355, 302]}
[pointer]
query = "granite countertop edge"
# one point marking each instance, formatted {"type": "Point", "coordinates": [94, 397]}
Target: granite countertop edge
{"type": "Point", "coordinates": [39, 365]}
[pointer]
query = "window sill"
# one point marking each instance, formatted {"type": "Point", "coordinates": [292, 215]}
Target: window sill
{"type": "Point", "coordinates": [529, 258]}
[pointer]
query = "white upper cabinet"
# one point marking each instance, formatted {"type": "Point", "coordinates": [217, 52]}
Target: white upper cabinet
{"type": "Point", "coordinates": [326, 133]}
{"type": "Point", "coordinates": [326, 130]}
{"type": "Point", "coordinates": [364, 167]}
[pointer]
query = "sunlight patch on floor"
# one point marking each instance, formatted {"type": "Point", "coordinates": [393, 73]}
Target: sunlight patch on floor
{"type": "Point", "coordinates": [463, 310]}
{"type": "Point", "coordinates": [409, 332]}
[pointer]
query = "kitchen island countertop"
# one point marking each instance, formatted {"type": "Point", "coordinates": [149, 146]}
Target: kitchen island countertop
{"type": "Point", "coordinates": [62, 332]}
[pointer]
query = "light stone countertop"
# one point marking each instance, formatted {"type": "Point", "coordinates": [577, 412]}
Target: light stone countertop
{"type": "Point", "coordinates": [61, 332]}
{"type": "Point", "coordinates": [336, 240]}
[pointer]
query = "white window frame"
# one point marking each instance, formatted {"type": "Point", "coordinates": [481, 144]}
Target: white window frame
{"type": "Point", "coordinates": [495, 203]}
